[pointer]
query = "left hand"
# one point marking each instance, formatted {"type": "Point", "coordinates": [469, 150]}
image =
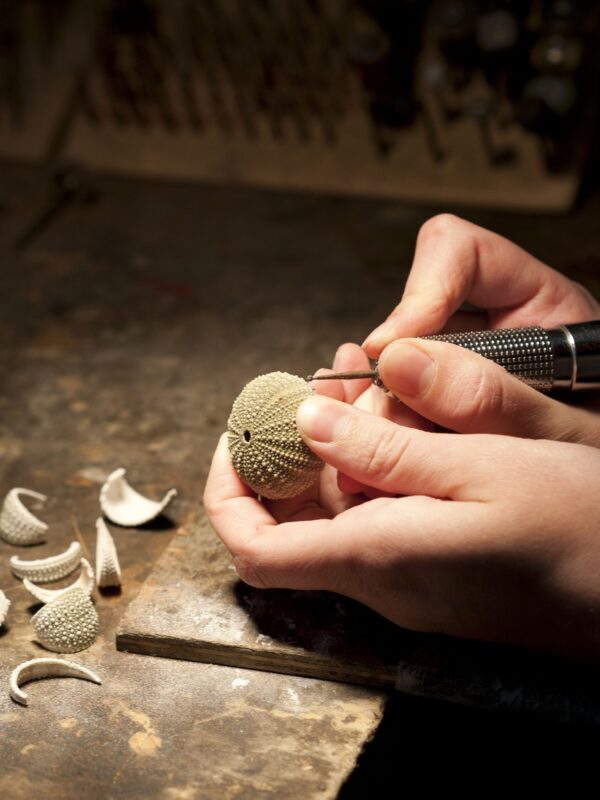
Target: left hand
{"type": "Point", "coordinates": [482, 536]}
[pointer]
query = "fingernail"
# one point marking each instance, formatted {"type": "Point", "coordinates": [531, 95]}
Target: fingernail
{"type": "Point", "coordinates": [321, 419]}
{"type": "Point", "coordinates": [336, 361]}
{"type": "Point", "coordinates": [406, 369]}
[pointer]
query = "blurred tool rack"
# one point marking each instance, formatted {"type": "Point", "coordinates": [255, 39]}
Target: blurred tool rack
{"type": "Point", "coordinates": [452, 101]}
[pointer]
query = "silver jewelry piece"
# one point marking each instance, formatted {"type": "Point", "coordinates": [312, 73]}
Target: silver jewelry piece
{"type": "Point", "coordinates": [85, 582]}
{"type": "Point", "coordinates": [38, 668]}
{"type": "Point", "coordinates": [18, 525]}
{"type": "Point", "coordinates": [4, 606]}
{"type": "Point", "coordinates": [68, 623]}
{"type": "Point", "coordinates": [108, 570]}
{"type": "Point", "coordinates": [45, 570]}
{"type": "Point", "coordinates": [124, 506]}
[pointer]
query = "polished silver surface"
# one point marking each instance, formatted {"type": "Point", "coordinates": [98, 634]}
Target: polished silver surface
{"type": "Point", "coordinates": [571, 382]}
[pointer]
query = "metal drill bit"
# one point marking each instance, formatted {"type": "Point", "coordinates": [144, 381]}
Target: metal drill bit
{"type": "Point", "coordinates": [373, 374]}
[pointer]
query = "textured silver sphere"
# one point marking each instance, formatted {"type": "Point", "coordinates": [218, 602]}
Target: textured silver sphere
{"type": "Point", "coordinates": [266, 449]}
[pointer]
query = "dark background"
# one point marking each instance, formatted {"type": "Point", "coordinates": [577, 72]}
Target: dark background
{"type": "Point", "coordinates": [191, 193]}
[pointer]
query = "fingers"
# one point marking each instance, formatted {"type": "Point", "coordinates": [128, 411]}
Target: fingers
{"type": "Point", "coordinates": [365, 395]}
{"type": "Point", "coordinates": [457, 261]}
{"type": "Point", "coordinates": [231, 506]}
{"type": "Point", "coordinates": [340, 554]}
{"type": "Point", "coordinates": [300, 553]}
{"type": "Point", "coordinates": [351, 357]}
{"type": "Point", "coordinates": [348, 357]}
{"type": "Point", "coordinates": [391, 458]}
{"type": "Point", "coordinates": [312, 551]}
{"type": "Point", "coordinates": [466, 392]}
{"type": "Point", "coordinates": [349, 485]}
{"type": "Point", "coordinates": [333, 389]}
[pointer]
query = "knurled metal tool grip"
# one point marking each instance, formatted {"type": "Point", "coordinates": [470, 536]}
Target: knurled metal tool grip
{"type": "Point", "coordinates": [565, 358]}
{"type": "Point", "coordinates": [562, 358]}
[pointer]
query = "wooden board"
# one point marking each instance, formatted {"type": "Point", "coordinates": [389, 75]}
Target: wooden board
{"type": "Point", "coordinates": [192, 606]}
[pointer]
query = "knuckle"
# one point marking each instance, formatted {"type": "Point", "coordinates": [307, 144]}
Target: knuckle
{"type": "Point", "coordinates": [250, 566]}
{"type": "Point", "coordinates": [482, 396]}
{"type": "Point", "coordinates": [264, 570]}
{"type": "Point", "coordinates": [439, 306]}
{"type": "Point", "coordinates": [213, 506]}
{"type": "Point", "coordinates": [589, 303]}
{"type": "Point", "coordinates": [382, 456]}
{"type": "Point", "coordinates": [455, 273]}
{"type": "Point", "coordinates": [442, 225]}
{"type": "Point", "coordinates": [210, 506]}
{"type": "Point", "coordinates": [578, 427]}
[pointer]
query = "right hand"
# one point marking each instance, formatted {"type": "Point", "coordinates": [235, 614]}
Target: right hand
{"type": "Point", "coordinates": [488, 537]}
{"type": "Point", "coordinates": [456, 261]}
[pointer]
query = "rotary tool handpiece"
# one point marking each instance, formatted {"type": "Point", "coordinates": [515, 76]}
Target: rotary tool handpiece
{"type": "Point", "coordinates": [565, 358]}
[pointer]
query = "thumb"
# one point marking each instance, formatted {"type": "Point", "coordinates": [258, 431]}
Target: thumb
{"type": "Point", "coordinates": [393, 458]}
{"type": "Point", "coordinates": [468, 393]}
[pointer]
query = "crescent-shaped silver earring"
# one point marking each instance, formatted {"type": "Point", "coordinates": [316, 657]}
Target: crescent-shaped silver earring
{"type": "Point", "coordinates": [85, 582]}
{"type": "Point", "coordinates": [18, 525]}
{"type": "Point", "coordinates": [45, 570]}
{"type": "Point", "coordinates": [124, 506]}
{"type": "Point", "coordinates": [46, 668]}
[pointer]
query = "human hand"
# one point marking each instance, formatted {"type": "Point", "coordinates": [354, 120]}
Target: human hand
{"type": "Point", "coordinates": [495, 538]}
{"type": "Point", "coordinates": [456, 261]}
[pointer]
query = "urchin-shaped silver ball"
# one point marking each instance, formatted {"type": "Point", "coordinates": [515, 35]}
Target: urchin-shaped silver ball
{"type": "Point", "coordinates": [266, 449]}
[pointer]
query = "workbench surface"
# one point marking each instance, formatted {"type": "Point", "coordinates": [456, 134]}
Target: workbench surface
{"type": "Point", "coordinates": [126, 328]}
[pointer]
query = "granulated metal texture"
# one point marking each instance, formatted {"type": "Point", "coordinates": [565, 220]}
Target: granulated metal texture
{"type": "Point", "coordinates": [266, 449]}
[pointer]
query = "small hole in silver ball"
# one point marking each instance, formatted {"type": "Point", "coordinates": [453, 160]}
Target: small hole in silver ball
{"type": "Point", "coordinates": [247, 436]}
